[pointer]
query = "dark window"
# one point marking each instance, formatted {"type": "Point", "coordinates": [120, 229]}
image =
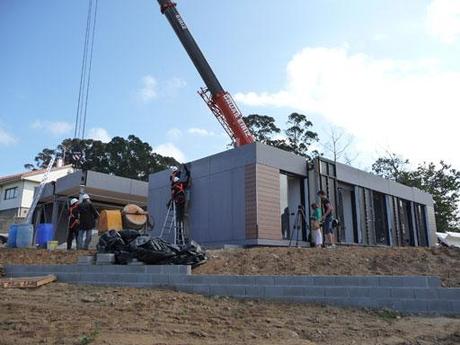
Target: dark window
{"type": "Point", "coordinates": [380, 219]}
{"type": "Point", "coordinates": [11, 193]}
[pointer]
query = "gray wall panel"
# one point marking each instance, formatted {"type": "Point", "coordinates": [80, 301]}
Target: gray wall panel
{"type": "Point", "coordinates": [68, 182]}
{"type": "Point", "coordinates": [276, 158]}
{"type": "Point", "coordinates": [348, 174]}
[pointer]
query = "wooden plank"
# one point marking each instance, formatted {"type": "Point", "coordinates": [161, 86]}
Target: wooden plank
{"type": "Point", "coordinates": [26, 282]}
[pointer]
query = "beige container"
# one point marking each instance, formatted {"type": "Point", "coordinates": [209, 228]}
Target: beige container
{"type": "Point", "coordinates": [109, 220]}
{"type": "Point", "coordinates": [52, 245]}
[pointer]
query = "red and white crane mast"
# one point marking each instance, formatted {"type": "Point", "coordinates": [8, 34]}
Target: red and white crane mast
{"type": "Point", "coordinates": [218, 100]}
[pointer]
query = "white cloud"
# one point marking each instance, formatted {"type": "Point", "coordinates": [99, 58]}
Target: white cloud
{"type": "Point", "coordinates": [443, 20]}
{"type": "Point", "coordinates": [170, 150]}
{"type": "Point", "coordinates": [6, 138]}
{"type": "Point", "coordinates": [152, 88]}
{"type": "Point", "coordinates": [380, 37]}
{"type": "Point", "coordinates": [410, 106]}
{"type": "Point", "coordinates": [99, 134]}
{"type": "Point", "coordinates": [201, 132]}
{"type": "Point", "coordinates": [175, 83]}
{"type": "Point", "coordinates": [54, 127]}
{"type": "Point", "coordinates": [148, 91]}
{"type": "Point", "coordinates": [174, 133]}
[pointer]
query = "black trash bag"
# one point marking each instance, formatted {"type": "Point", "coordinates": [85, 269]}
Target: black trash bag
{"type": "Point", "coordinates": [152, 250]}
{"type": "Point", "coordinates": [191, 254]}
{"type": "Point", "coordinates": [129, 235]}
{"type": "Point", "coordinates": [110, 242]}
{"type": "Point", "coordinates": [123, 257]}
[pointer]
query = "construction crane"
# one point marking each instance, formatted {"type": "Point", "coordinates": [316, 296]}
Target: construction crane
{"type": "Point", "coordinates": [218, 100]}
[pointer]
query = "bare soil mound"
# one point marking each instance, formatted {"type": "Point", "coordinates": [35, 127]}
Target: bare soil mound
{"type": "Point", "coordinates": [442, 262]}
{"type": "Point", "coordinates": [70, 314]}
{"type": "Point", "coordinates": [41, 256]}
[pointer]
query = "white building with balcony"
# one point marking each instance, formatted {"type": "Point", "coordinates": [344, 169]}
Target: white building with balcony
{"type": "Point", "coordinates": [17, 192]}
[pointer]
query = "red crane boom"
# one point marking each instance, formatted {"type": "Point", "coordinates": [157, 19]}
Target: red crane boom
{"type": "Point", "coordinates": [218, 100]}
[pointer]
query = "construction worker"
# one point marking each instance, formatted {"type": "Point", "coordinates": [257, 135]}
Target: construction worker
{"type": "Point", "coordinates": [175, 172]}
{"type": "Point", "coordinates": [74, 220]}
{"type": "Point", "coordinates": [88, 217]}
{"type": "Point", "coordinates": [179, 197]}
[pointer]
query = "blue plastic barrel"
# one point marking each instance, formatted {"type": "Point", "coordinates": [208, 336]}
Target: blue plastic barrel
{"type": "Point", "coordinates": [45, 233]}
{"type": "Point", "coordinates": [12, 232]}
{"type": "Point", "coordinates": [24, 235]}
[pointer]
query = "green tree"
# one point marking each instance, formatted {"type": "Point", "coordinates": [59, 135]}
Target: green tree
{"type": "Point", "coordinates": [298, 135]}
{"type": "Point", "coordinates": [263, 127]}
{"type": "Point", "coordinates": [129, 157]}
{"type": "Point", "coordinates": [440, 180]}
{"type": "Point", "coordinates": [392, 167]}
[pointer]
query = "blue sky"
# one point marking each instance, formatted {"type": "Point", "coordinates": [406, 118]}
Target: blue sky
{"type": "Point", "coordinates": [386, 73]}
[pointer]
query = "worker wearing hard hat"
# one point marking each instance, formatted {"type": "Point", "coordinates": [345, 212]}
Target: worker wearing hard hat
{"type": "Point", "coordinates": [74, 220]}
{"type": "Point", "coordinates": [88, 217]}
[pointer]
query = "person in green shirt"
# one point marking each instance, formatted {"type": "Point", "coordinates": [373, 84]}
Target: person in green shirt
{"type": "Point", "coordinates": [315, 219]}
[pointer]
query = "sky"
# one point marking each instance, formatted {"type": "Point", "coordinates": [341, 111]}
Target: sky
{"type": "Point", "coordinates": [385, 73]}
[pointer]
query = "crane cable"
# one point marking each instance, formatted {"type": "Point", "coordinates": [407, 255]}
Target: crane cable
{"type": "Point", "coordinates": [85, 76]}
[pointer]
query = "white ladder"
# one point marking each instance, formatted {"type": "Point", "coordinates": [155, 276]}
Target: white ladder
{"type": "Point", "coordinates": [41, 187]}
{"type": "Point", "coordinates": [171, 228]}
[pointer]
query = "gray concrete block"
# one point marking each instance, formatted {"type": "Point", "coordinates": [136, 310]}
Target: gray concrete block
{"type": "Point", "coordinates": [176, 279]}
{"type": "Point", "coordinates": [227, 290]}
{"type": "Point", "coordinates": [379, 293]}
{"type": "Point", "coordinates": [414, 306]}
{"type": "Point", "coordinates": [193, 288]}
{"type": "Point", "coordinates": [294, 280]}
{"type": "Point", "coordinates": [168, 269]}
{"type": "Point", "coordinates": [324, 280]}
{"type": "Point", "coordinates": [390, 303]}
{"type": "Point", "coordinates": [294, 291]}
{"type": "Point", "coordinates": [273, 292]}
{"type": "Point", "coordinates": [105, 258]}
{"type": "Point", "coordinates": [437, 306]}
{"type": "Point", "coordinates": [362, 302]}
{"type": "Point", "coordinates": [449, 293]}
{"type": "Point", "coordinates": [426, 293]}
{"type": "Point", "coordinates": [389, 281]}
{"type": "Point", "coordinates": [86, 260]}
{"type": "Point", "coordinates": [455, 307]}
{"type": "Point", "coordinates": [335, 292]}
{"type": "Point", "coordinates": [433, 281]}
{"type": "Point", "coordinates": [358, 292]}
{"type": "Point", "coordinates": [264, 280]}
{"type": "Point", "coordinates": [415, 281]}
{"type": "Point", "coordinates": [254, 291]}
{"type": "Point", "coordinates": [402, 293]}
{"type": "Point", "coordinates": [347, 280]}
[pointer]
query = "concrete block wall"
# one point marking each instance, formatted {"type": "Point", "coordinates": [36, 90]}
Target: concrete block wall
{"type": "Point", "coordinates": [407, 294]}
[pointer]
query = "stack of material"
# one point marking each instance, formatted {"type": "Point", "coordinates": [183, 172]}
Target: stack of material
{"type": "Point", "coordinates": [131, 217]}
{"type": "Point", "coordinates": [26, 282]}
{"type": "Point", "coordinates": [134, 217]}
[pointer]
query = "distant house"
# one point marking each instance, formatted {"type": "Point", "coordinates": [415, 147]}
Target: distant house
{"type": "Point", "coordinates": [17, 192]}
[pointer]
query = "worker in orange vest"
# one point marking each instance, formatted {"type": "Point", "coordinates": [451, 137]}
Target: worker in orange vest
{"type": "Point", "coordinates": [74, 221]}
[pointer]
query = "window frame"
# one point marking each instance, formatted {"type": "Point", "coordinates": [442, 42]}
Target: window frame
{"type": "Point", "coordinates": [13, 190]}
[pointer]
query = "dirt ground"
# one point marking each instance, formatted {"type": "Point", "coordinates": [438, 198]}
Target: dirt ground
{"type": "Point", "coordinates": [69, 314]}
{"type": "Point", "coordinates": [443, 262]}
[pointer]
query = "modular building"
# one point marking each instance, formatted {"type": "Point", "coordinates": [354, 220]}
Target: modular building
{"type": "Point", "coordinates": [107, 192]}
{"type": "Point", "coordinates": [250, 196]}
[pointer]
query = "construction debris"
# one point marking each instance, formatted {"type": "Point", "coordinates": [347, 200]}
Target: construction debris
{"type": "Point", "coordinates": [130, 244]}
{"type": "Point", "coordinates": [26, 282]}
